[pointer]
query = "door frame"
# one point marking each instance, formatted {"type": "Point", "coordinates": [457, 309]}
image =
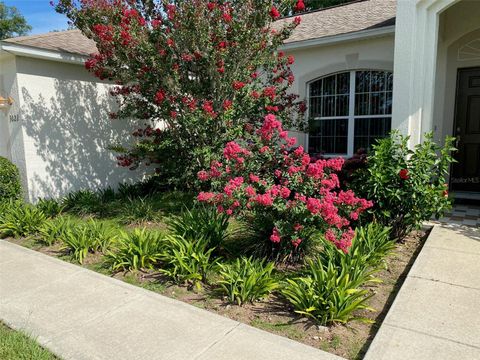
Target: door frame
{"type": "Point", "coordinates": [467, 194]}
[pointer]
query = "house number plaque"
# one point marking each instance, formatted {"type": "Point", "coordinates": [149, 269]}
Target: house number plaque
{"type": "Point", "coordinates": [14, 118]}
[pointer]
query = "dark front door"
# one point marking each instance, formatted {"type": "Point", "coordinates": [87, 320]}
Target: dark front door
{"type": "Point", "coordinates": [466, 173]}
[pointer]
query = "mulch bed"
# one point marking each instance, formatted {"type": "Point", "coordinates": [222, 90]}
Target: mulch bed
{"type": "Point", "coordinates": [350, 341]}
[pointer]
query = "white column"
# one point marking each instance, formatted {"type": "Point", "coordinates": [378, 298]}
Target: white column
{"type": "Point", "coordinates": [416, 43]}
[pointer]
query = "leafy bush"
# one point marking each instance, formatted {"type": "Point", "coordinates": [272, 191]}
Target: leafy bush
{"type": "Point", "coordinates": [138, 211]}
{"type": "Point", "coordinates": [54, 229]}
{"type": "Point", "coordinates": [201, 222]}
{"type": "Point", "coordinates": [50, 207]}
{"type": "Point", "coordinates": [286, 196]}
{"type": "Point", "coordinates": [83, 202]}
{"type": "Point", "coordinates": [139, 249]}
{"type": "Point", "coordinates": [10, 185]}
{"type": "Point", "coordinates": [18, 219]}
{"type": "Point", "coordinates": [78, 242]}
{"type": "Point", "coordinates": [328, 294]}
{"type": "Point", "coordinates": [406, 186]}
{"type": "Point", "coordinates": [102, 234]}
{"type": "Point", "coordinates": [217, 43]}
{"type": "Point", "coordinates": [246, 280]}
{"type": "Point", "coordinates": [187, 260]}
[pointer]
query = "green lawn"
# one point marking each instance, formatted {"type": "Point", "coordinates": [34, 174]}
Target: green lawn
{"type": "Point", "coordinates": [16, 345]}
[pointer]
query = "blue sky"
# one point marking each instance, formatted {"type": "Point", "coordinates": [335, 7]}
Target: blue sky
{"type": "Point", "coordinates": [40, 15]}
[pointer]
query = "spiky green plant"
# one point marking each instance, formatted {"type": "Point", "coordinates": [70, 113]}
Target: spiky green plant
{"type": "Point", "coordinates": [18, 219]}
{"type": "Point", "coordinates": [135, 250]}
{"type": "Point", "coordinates": [187, 260]}
{"type": "Point", "coordinates": [328, 294]}
{"type": "Point", "coordinates": [201, 222]}
{"type": "Point", "coordinates": [246, 280]}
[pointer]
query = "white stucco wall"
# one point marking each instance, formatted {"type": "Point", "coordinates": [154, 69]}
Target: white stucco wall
{"type": "Point", "coordinates": [11, 135]}
{"type": "Point", "coordinates": [65, 129]}
{"type": "Point", "coordinates": [315, 62]}
{"type": "Point", "coordinates": [420, 32]}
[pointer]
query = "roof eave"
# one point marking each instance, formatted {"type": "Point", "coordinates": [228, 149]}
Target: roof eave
{"type": "Point", "coordinates": [38, 53]}
{"type": "Point", "coordinates": [334, 39]}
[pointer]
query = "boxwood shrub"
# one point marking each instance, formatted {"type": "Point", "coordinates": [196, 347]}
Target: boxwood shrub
{"type": "Point", "coordinates": [10, 187]}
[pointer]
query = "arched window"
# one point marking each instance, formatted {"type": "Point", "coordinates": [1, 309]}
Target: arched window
{"type": "Point", "coordinates": [349, 110]}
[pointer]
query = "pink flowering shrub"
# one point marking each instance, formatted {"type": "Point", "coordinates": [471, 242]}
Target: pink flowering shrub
{"type": "Point", "coordinates": [285, 194]}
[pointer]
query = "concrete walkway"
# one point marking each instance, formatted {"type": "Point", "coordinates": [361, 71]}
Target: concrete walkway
{"type": "Point", "coordinates": [436, 314]}
{"type": "Point", "coordinates": [79, 314]}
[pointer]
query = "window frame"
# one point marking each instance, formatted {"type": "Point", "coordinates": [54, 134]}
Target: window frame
{"type": "Point", "coordinates": [351, 110]}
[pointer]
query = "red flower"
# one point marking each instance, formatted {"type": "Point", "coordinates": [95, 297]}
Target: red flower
{"type": "Point", "coordinates": [227, 17]}
{"type": "Point", "coordinates": [238, 85]}
{"type": "Point", "coordinates": [274, 13]}
{"type": "Point", "coordinates": [203, 175]}
{"type": "Point", "coordinates": [297, 20]}
{"type": "Point", "coordinates": [227, 104]}
{"type": "Point", "coordinates": [291, 60]}
{"type": "Point", "coordinates": [404, 174]}
{"type": "Point", "coordinates": [300, 6]}
{"type": "Point", "coordinates": [275, 237]}
{"type": "Point", "coordinates": [211, 6]}
{"type": "Point", "coordinates": [208, 107]}
{"type": "Point", "coordinates": [160, 96]}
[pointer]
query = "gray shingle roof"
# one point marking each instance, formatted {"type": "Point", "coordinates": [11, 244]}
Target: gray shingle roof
{"type": "Point", "coordinates": [70, 41]}
{"type": "Point", "coordinates": [343, 19]}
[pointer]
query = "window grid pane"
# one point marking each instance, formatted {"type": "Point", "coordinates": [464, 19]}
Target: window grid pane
{"type": "Point", "coordinates": [329, 110]}
{"type": "Point", "coordinates": [329, 136]}
{"type": "Point", "coordinates": [367, 131]}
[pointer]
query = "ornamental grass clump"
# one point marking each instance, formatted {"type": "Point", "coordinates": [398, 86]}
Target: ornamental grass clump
{"type": "Point", "coordinates": [246, 280]}
{"type": "Point", "coordinates": [18, 219]}
{"type": "Point", "coordinates": [187, 260]}
{"type": "Point", "coordinates": [201, 221]}
{"type": "Point", "coordinates": [329, 294]}
{"type": "Point", "coordinates": [262, 180]}
{"type": "Point", "coordinates": [136, 250]}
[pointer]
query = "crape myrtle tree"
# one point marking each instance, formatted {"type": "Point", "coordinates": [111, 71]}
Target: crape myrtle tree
{"type": "Point", "coordinates": [194, 74]}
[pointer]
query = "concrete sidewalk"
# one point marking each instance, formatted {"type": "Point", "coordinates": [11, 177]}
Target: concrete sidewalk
{"type": "Point", "coordinates": [436, 314]}
{"type": "Point", "coordinates": [79, 314]}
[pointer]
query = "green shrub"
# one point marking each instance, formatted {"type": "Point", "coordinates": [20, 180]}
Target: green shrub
{"type": "Point", "coordinates": [201, 222]}
{"type": "Point", "coordinates": [187, 260]}
{"type": "Point", "coordinates": [54, 229]}
{"type": "Point", "coordinates": [78, 242]}
{"type": "Point", "coordinates": [83, 202]}
{"type": "Point", "coordinates": [139, 249]}
{"type": "Point", "coordinates": [10, 185]}
{"type": "Point", "coordinates": [328, 294]}
{"type": "Point", "coordinates": [246, 280]}
{"type": "Point", "coordinates": [406, 186]}
{"type": "Point", "coordinates": [18, 219]}
{"type": "Point", "coordinates": [138, 211]}
{"type": "Point", "coordinates": [102, 234]}
{"type": "Point", "coordinates": [50, 207]}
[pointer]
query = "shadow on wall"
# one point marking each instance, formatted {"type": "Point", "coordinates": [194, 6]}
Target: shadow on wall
{"type": "Point", "coordinates": [67, 140]}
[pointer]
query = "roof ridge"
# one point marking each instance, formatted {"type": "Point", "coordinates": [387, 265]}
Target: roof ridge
{"type": "Point", "coordinates": [39, 36]}
{"type": "Point", "coordinates": [323, 9]}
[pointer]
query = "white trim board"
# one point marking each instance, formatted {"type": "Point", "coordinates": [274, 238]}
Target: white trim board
{"type": "Point", "coordinates": [27, 51]}
{"type": "Point", "coordinates": [329, 40]}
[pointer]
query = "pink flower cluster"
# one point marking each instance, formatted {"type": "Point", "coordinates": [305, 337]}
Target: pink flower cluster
{"type": "Point", "coordinates": [263, 176]}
